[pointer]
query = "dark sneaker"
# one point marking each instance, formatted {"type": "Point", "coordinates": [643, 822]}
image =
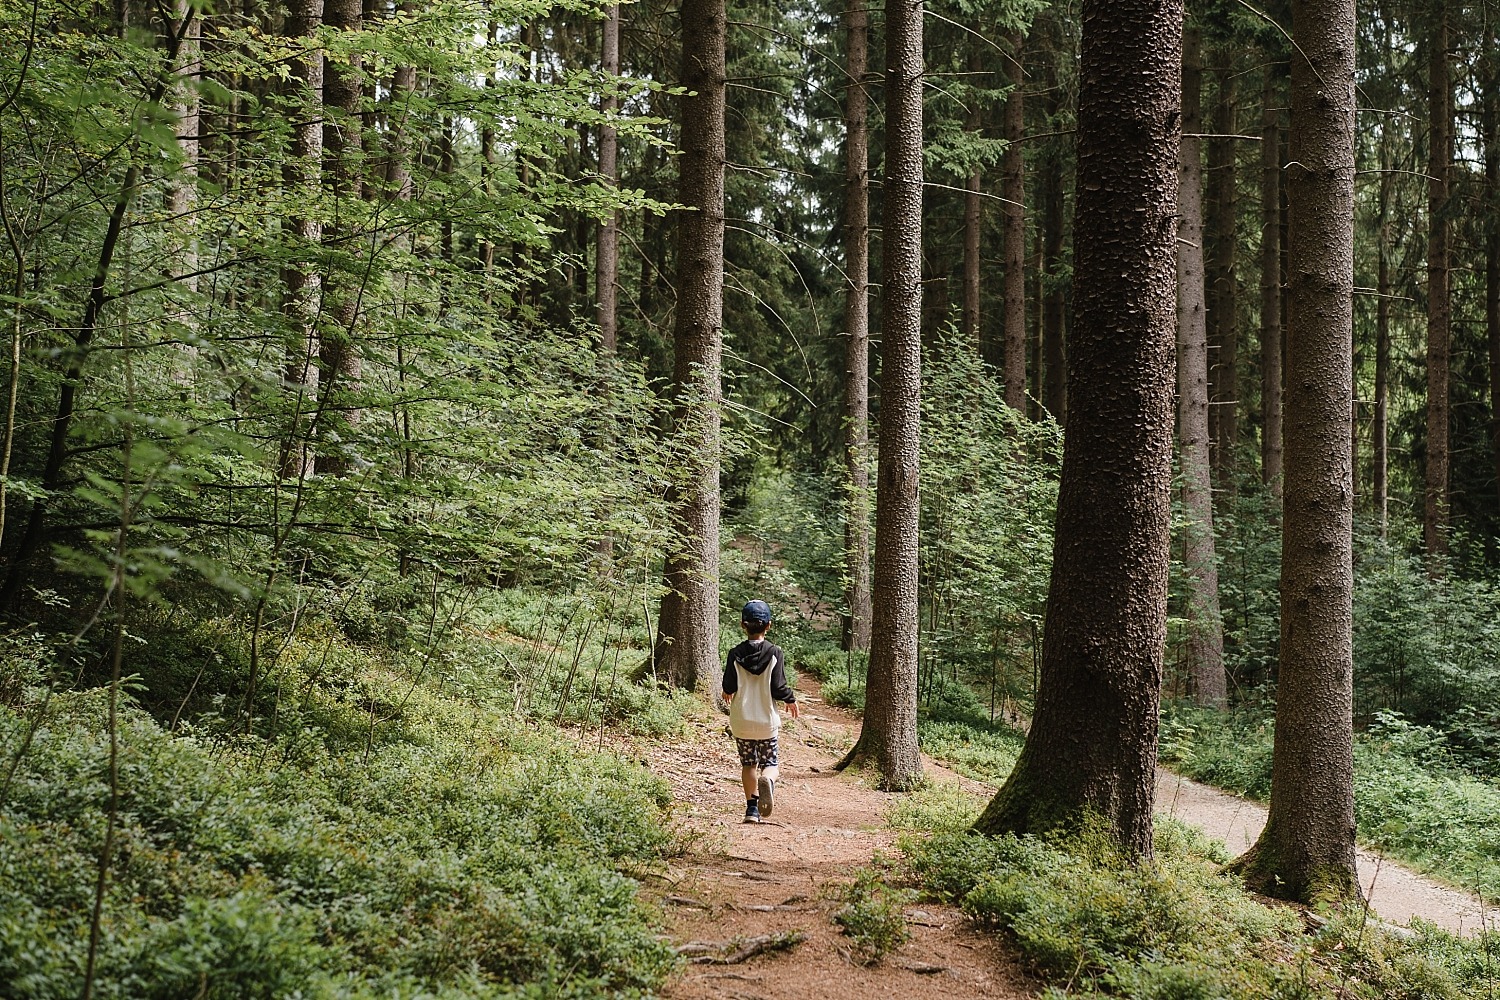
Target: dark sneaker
{"type": "Point", "coordinates": [766, 789]}
{"type": "Point", "coordinates": [752, 813]}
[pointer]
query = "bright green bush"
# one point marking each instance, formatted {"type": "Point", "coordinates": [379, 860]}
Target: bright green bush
{"type": "Point", "coordinates": [473, 858]}
{"type": "Point", "coordinates": [871, 917]}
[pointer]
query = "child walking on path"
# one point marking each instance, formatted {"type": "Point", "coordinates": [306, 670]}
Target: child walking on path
{"type": "Point", "coordinates": [754, 679]}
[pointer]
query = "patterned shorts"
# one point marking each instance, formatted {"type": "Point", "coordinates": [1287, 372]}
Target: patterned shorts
{"type": "Point", "coordinates": [757, 753]}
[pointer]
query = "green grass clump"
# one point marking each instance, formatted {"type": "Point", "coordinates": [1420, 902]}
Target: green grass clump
{"type": "Point", "coordinates": [458, 855]}
{"type": "Point", "coordinates": [871, 917]}
{"type": "Point", "coordinates": [1177, 929]}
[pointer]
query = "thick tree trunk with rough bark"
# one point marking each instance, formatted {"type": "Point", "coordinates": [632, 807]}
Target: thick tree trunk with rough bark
{"type": "Point", "coordinates": [889, 735]}
{"type": "Point", "coordinates": [1203, 654]}
{"type": "Point", "coordinates": [300, 279]}
{"type": "Point", "coordinates": [607, 263]}
{"type": "Point", "coordinates": [1439, 304]}
{"type": "Point", "coordinates": [1270, 286]}
{"type": "Point", "coordinates": [857, 321]}
{"type": "Point", "coordinates": [1013, 190]}
{"type": "Point", "coordinates": [687, 648]}
{"type": "Point", "coordinates": [1092, 744]}
{"type": "Point", "coordinates": [1306, 851]}
{"type": "Point", "coordinates": [1224, 350]}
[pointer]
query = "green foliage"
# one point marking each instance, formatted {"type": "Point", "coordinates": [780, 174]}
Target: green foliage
{"type": "Point", "coordinates": [871, 917]}
{"type": "Point", "coordinates": [470, 857]}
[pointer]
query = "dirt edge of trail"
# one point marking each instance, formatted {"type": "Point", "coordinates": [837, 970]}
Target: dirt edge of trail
{"type": "Point", "coordinates": [739, 882]}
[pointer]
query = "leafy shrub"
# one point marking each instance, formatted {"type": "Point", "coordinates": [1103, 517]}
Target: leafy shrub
{"type": "Point", "coordinates": [871, 917]}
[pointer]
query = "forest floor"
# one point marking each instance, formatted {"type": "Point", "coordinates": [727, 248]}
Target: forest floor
{"type": "Point", "coordinates": [739, 883]}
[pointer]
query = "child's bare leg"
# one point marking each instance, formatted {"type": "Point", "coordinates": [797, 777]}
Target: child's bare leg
{"type": "Point", "coordinates": [747, 779]}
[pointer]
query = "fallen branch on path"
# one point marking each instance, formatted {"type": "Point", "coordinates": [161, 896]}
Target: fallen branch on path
{"type": "Point", "coordinates": [737, 950]}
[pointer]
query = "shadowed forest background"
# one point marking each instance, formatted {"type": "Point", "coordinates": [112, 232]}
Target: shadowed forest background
{"type": "Point", "coordinates": [374, 425]}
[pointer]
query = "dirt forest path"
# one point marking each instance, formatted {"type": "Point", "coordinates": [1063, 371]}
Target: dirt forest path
{"type": "Point", "coordinates": [739, 882]}
{"type": "Point", "coordinates": [1395, 893]}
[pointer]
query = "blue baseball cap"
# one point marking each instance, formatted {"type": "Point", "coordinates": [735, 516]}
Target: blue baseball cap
{"type": "Point", "coordinates": [756, 613]}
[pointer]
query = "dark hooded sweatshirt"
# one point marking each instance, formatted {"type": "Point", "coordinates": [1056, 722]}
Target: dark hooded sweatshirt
{"type": "Point", "coordinates": [755, 673]}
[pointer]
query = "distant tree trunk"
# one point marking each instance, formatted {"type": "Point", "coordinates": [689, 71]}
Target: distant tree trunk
{"type": "Point", "coordinates": [1270, 286]}
{"type": "Point", "coordinates": [342, 143]}
{"type": "Point", "coordinates": [607, 264]}
{"type": "Point", "coordinates": [889, 735]}
{"type": "Point", "coordinates": [973, 220]}
{"type": "Point", "coordinates": [1013, 189]}
{"type": "Point", "coordinates": [687, 652]}
{"type": "Point", "coordinates": [1439, 306]}
{"type": "Point", "coordinates": [1224, 353]}
{"type": "Point", "coordinates": [1306, 851]}
{"type": "Point", "coordinates": [1380, 432]}
{"type": "Point", "coordinates": [857, 319]}
{"type": "Point", "coordinates": [182, 192]}
{"type": "Point", "coordinates": [1490, 112]}
{"type": "Point", "coordinates": [1054, 304]}
{"type": "Point", "coordinates": [1204, 652]}
{"type": "Point", "coordinates": [1092, 744]}
{"type": "Point", "coordinates": [300, 280]}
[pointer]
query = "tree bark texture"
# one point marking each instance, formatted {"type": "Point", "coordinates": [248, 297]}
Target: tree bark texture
{"type": "Point", "coordinates": [889, 736]}
{"type": "Point", "coordinates": [857, 320]}
{"type": "Point", "coordinates": [1092, 744]}
{"type": "Point", "coordinates": [1203, 652]}
{"type": "Point", "coordinates": [969, 325]}
{"type": "Point", "coordinates": [1490, 117]}
{"type": "Point", "coordinates": [1439, 304]}
{"type": "Point", "coordinates": [1380, 431]}
{"type": "Point", "coordinates": [1224, 354]}
{"type": "Point", "coordinates": [301, 282]}
{"type": "Point", "coordinates": [687, 652]}
{"type": "Point", "coordinates": [1270, 285]}
{"type": "Point", "coordinates": [607, 263]}
{"type": "Point", "coordinates": [1013, 190]}
{"type": "Point", "coordinates": [1306, 851]}
{"type": "Point", "coordinates": [339, 358]}
{"type": "Point", "coordinates": [1054, 302]}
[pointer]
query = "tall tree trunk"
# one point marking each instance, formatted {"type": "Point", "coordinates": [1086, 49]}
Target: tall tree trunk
{"type": "Point", "coordinates": [343, 147]}
{"type": "Point", "coordinates": [182, 192]}
{"type": "Point", "coordinates": [889, 736]}
{"type": "Point", "coordinates": [1224, 353]}
{"type": "Point", "coordinates": [1380, 431]}
{"type": "Point", "coordinates": [1306, 851]}
{"type": "Point", "coordinates": [1054, 303]}
{"type": "Point", "coordinates": [973, 218]}
{"type": "Point", "coordinates": [1270, 286]}
{"type": "Point", "coordinates": [1490, 111]}
{"type": "Point", "coordinates": [1092, 744]}
{"type": "Point", "coordinates": [300, 280]}
{"type": "Point", "coordinates": [1439, 306]}
{"type": "Point", "coordinates": [1013, 190]}
{"type": "Point", "coordinates": [857, 320]}
{"type": "Point", "coordinates": [687, 652]}
{"type": "Point", "coordinates": [607, 263]}
{"type": "Point", "coordinates": [1204, 652]}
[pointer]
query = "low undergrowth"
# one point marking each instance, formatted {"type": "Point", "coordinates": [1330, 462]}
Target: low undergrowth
{"type": "Point", "coordinates": [394, 827]}
{"type": "Point", "coordinates": [1412, 799]}
{"type": "Point", "coordinates": [1095, 925]}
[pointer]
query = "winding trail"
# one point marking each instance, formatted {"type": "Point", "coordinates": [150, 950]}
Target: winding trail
{"type": "Point", "coordinates": [738, 882]}
{"type": "Point", "coordinates": [1395, 893]}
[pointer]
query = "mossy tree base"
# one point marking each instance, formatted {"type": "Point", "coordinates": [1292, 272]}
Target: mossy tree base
{"type": "Point", "coordinates": [1295, 876]}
